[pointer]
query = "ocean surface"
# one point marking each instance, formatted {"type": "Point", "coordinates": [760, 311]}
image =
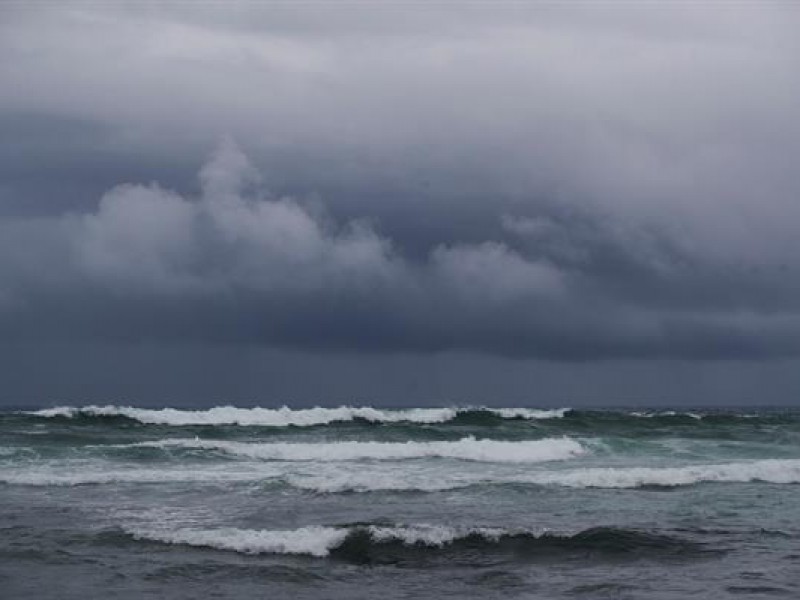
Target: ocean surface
{"type": "Point", "coordinates": [359, 502]}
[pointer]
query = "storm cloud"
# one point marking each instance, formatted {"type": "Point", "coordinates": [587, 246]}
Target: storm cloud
{"type": "Point", "coordinates": [237, 264]}
{"type": "Point", "coordinates": [572, 183]}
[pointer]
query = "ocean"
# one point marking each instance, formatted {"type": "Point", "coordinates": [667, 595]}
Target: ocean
{"type": "Point", "coordinates": [361, 502]}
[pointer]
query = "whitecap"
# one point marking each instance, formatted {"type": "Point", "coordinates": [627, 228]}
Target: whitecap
{"type": "Point", "coordinates": [775, 471]}
{"type": "Point", "coordinates": [467, 448]}
{"type": "Point", "coordinates": [313, 540]}
{"type": "Point", "coordinates": [285, 416]}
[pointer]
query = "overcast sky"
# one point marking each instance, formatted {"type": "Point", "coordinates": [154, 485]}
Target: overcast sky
{"type": "Point", "coordinates": [400, 203]}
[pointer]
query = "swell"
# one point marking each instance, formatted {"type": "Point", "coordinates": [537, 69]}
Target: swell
{"type": "Point", "coordinates": [380, 544]}
{"type": "Point", "coordinates": [771, 471]}
{"type": "Point", "coordinates": [700, 423]}
{"type": "Point", "coordinates": [468, 448]}
{"type": "Point", "coordinates": [690, 418]}
{"type": "Point", "coordinates": [64, 476]}
{"type": "Point", "coordinates": [287, 417]}
{"type": "Point", "coordinates": [379, 477]}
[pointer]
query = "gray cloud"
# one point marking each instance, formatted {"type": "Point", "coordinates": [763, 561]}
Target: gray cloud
{"type": "Point", "coordinates": [236, 264]}
{"type": "Point", "coordinates": [570, 182]}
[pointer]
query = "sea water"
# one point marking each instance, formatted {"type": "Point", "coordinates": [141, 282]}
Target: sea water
{"type": "Point", "coordinates": [362, 502]}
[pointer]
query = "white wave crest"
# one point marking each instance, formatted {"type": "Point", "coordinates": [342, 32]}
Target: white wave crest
{"type": "Point", "coordinates": [313, 541]}
{"type": "Point", "coordinates": [285, 416]}
{"type": "Point", "coordinates": [666, 413]}
{"type": "Point", "coordinates": [432, 535]}
{"type": "Point", "coordinates": [332, 477]}
{"type": "Point", "coordinates": [777, 471]}
{"type": "Point", "coordinates": [467, 448]}
{"type": "Point", "coordinates": [782, 471]}
{"type": "Point", "coordinates": [529, 413]}
{"type": "Point", "coordinates": [67, 476]}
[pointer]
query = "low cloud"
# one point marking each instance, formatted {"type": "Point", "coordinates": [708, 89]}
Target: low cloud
{"type": "Point", "coordinates": [145, 238]}
{"type": "Point", "coordinates": [570, 182]}
{"type": "Point", "coordinates": [238, 264]}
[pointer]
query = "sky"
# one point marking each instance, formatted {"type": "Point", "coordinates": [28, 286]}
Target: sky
{"type": "Point", "coordinates": [582, 203]}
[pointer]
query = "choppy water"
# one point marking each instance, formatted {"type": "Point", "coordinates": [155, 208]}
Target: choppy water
{"type": "Point", "coordinates": [119, 502]}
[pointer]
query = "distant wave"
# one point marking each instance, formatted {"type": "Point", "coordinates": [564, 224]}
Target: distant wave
{"type": "Point", "coordinates": [669, 413]}
{"type": "Point", "coordinates": [381, 544]}
{"type": "Point", "coordinates": [467, 415]}
{"type": "Point", "coordinates": [285, 416]}
{"type": "Point", "coordinates": [768, 471]}
{"type": "Point", "coordinates": [467, 448]}
{"type": "Point", "coordinates": [777, 471]}
{"type": "Point", "coordinates": [395, 479]}
{"type": "Point", "coordinates": [68, 477]}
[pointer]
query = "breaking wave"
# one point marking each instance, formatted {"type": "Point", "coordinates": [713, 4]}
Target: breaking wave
{"type": "Point", "coordinates": [468, 448]}
{"type": "Point", "coordinates": [771, 471]}
{"type": "Point", "coordinates": [776, 471]}
{"type": "Point", "coordinates": [285, 416]}
{"type": "Point", "coordinates": [376, 544]}
{"type": "Point", "coordinates": [64, 477]}
{"type": "Point", "coordinates": [782, 471]}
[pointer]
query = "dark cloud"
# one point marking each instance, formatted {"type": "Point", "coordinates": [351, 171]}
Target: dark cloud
{"type": "Point", "coordinates": [238, 265]}
{"type": "Point", "coordinates": [561, 182]}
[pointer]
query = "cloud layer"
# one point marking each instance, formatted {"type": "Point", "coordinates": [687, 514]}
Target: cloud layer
{"type": "Point", "coordinates": [561, 182]}
{"type": "Point", "coordinates": [237, 264]}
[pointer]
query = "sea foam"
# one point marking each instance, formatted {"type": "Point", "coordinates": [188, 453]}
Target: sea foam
{"type": "Point", "coordinates": [467, 448]}
{"type": "Point", "coordinates": [284, 416]}
{"type": "Point", "coordinates": [68, 476]}
{"type": "Point", "coordinates": [776, 471]}
{"type": "Point", "coordinates": [376, 544]}
{"type": "Point", "coordinates": [781, 471]}
{"type": "Point", "coordinates": [315, 540]}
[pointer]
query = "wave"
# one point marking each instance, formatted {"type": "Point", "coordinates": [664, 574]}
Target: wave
{"type": "Point", "coordinates": [65, 477]}
{"type": "Point", "coordinates": [780, 471]}
{"type": "Point", "coordinates": [313, 541]}
{"type": "Point", "coordinates": [775, 471]}
{"type": "Point", "coordinates": [687, 417]}
{"type": "Point", "coordinates": [557, 419]}
{"type": "Point", "coordinates": [670, 413]}
{"type": "Point", "coordinates": [285, 416]}
{"type": "Point", "coordinates": [379, 478]}
{"type": "Point", "coordinates": [7, 452]}
{"type": "Point", "coordinates": [367, 544]}
{"type": "Point", "coordinates": [467, 448]}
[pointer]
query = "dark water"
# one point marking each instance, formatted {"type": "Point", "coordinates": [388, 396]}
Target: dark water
{"type": "Point", "coordinates": [364, 503]}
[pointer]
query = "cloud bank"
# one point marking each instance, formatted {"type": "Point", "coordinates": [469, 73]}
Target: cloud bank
{"type": "Point", "coordinates": [571, 182]}
{"type": "Point", "coordinates": [238, 264]}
